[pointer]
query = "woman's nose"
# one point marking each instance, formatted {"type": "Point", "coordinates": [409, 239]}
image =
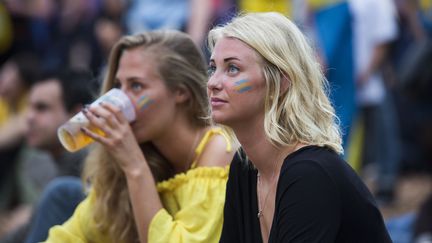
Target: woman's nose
{"type": "Point", "coordinates": [214, 83]}
{"type": "Point", "coordinates": [124, 89]}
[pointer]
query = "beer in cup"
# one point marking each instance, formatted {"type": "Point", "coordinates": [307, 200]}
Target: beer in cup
{"type": "Point", "coordinates": [70, 134]}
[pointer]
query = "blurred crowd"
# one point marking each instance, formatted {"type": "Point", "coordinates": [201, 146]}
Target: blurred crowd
{"type": "Point", "coordinates": [377, 56]}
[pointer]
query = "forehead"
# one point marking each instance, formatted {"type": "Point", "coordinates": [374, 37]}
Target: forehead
{"type": "Point", "coordinates": [136, 62]}
{"type": "Point", "coordinates": [231, 47]}
{"type": "Point", "coordinates": [47, 92]}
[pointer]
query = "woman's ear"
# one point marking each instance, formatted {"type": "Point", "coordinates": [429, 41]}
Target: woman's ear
{"type": "Point", "coordinates": [182, 94]}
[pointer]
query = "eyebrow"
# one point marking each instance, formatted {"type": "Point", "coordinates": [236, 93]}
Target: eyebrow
{"type": "Point", "coordinates": [227, 59]}
{"type": "Point", "coordinates": [129, 79]}
{"type": "Point", "coordinates": [134, 79]}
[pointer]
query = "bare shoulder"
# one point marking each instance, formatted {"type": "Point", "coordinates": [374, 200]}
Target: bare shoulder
{"type": "Point", "coordinates": [215, 153]}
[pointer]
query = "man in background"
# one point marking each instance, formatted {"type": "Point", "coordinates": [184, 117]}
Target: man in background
{"type": "Point", "coordinates": [53, 100]}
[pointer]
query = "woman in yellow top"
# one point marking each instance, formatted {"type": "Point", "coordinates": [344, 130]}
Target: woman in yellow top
{"type": "Point", "coordinates": [161, 178]}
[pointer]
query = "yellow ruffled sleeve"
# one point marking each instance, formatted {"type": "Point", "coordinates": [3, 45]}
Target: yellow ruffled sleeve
{"type": "Point", "coordinates": [193, 207]}
{"type": "Point", "coordinates": [80, 228]}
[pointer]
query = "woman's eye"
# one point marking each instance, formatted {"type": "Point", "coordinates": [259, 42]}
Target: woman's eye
{"type": "Point", "coordinates": [135, 86]}
{"type": "Point", "coordinates": [232, 69]}
{"type": "Point", "coordinates": [211, 70]}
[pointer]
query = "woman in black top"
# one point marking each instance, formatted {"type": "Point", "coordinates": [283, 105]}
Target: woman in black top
{"type": "Point", "coordinates": [267, 86]}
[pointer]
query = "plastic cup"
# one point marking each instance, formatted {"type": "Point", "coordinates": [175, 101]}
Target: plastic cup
{"type": "Point", "coordinates": [70, 134]}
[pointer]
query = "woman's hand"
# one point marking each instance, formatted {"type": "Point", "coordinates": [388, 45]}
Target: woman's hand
{"type": "Point", "coordinates": [119, 140]}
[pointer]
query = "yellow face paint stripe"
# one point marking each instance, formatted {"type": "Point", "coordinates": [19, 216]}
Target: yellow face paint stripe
{"type": "Point", "coordinates": [144, 102]}
{"type": "Point", "coordinates": [242, 86]}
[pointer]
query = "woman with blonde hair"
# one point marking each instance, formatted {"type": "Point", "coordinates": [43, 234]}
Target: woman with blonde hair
{"type": "Point", "coordinates": [161, 178]}
{"type": "Point", "coordinates": [266, 84]}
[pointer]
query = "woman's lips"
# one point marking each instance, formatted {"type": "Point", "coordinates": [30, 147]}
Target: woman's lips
{"type": "Point", "coordinates": [215, 102]}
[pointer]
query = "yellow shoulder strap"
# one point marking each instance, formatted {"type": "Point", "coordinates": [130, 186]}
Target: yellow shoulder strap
{"type": "Point", "coordinates": [207, 136]}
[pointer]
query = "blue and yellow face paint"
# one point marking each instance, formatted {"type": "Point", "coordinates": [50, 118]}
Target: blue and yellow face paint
{"type": "Point", "coordinates": [242, 86]}
{"type": "Point", "coordinates": [143, 102]}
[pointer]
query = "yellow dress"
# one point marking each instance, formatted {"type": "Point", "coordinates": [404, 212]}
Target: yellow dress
{"type": "Point", "coordinates": [193, 208]}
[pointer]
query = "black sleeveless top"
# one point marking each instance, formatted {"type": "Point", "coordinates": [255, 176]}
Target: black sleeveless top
{"type": "Point", "coordinates": [319, 198]}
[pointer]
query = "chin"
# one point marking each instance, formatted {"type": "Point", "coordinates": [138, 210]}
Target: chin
{"type": "Point", "coordinates": [141, 137]}
{"type": "Point", "coordinates": [220, 119]}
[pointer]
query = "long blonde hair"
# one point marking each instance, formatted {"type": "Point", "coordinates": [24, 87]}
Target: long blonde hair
{"type": "Point", "coordinates": [304, 113]}
{"type": "Point", "coordinates": [180, 64]}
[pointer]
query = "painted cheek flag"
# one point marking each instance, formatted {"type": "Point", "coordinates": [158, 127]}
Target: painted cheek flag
{"type": "Point", "coordinates": [144, 102]}
{"type": "Point", "coordinates": [242, 86]}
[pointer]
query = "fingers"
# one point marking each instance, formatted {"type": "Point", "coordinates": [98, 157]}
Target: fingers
{"type": "Point", "coordinates": [98, 121]}
{"type": "Point", "coordinates": [95, 136]}
{"type": "Point", "coordinates": [109, 120]}
{"type": "Point", "coordinates": [118, 114]}
{"type": "Point", "coordinates": [105, 113]}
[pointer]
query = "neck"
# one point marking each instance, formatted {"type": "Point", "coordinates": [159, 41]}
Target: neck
{"type": "Point", "coordinates": [265, 156]}
{"type": "Point", "coordinates": [256, 145]}
{"type": "Point", "coordinates": [178, 144]}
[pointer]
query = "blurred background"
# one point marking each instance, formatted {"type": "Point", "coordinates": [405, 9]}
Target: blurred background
{"type": "Point", "coordinates": [376, 54]}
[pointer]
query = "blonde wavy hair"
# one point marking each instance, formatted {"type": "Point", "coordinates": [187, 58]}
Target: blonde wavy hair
{"type": "Point", "coordinates": [302, 114]}
{"type": "Point", "coordinates": [180, 64]}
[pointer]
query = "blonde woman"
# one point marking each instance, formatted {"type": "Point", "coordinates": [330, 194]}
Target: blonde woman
{"type": "Point", "coordinates": [267, 86]}
{"type": "Point", "coordinates": [161, 178]}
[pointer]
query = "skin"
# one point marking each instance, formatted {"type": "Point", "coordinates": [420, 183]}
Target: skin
{"type": "Point", "coordinates": [164, 122]}
{"type": "Point", "coordinates": [231, 61]}
{"type": "Point", "coordinates": [197, 26]}
{"type": "Point", "coordinates": [45, 114]}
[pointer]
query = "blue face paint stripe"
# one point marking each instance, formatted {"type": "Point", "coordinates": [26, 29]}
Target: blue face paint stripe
{"type": "Point", "coordinates": [242, 86]}
{"type": "Point", "coordinates": [241, 81]}
{"type": "Point", "coordinates": [144, 102]}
